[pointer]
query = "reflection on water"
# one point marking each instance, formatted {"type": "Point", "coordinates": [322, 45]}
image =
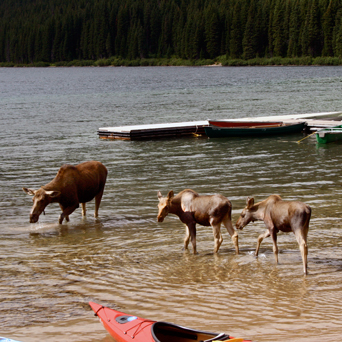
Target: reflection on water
{"type": "Point", "coordinates": [127, 260]}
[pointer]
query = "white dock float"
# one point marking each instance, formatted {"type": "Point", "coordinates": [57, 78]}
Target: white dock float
{"type": "Point", "coordinates": [153, 131]}
{"type": "Point", "coordinates": [314, 121]}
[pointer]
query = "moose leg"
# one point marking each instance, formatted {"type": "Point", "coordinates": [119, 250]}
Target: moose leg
{"type": "Point", "coordinates": [66, 217]}
{"type": "Point", "coordinates": [232, 232]}
{"type": "Point", "coordinates": [98, 198]}
{"type": "Point", "coordinates": [187, 237]}
{"type": "Point", "coordinates": [275, 246]}
{"type": "Point", "coordinates": [217, 237]}
{"type": "Point", "coordinates": [260, 238]}
{"type": "Point", "coordinates": [192, 230]}
{"type": "Point", "coordinates": [84, 209]}
{"type": "Point", "coordinates": [66, 212]}
{"type": "Point", "coordinates": [302, 242]}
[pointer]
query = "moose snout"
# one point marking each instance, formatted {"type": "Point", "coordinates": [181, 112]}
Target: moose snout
{"type": "Point", "coordinates": [239, 225]}
{"type": "Point", "coordinates": [160, 218]}
{"type": "Point", "coordinates": [34, 218]}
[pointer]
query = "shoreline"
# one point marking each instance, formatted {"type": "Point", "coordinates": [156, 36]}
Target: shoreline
{"type": "Point", "coordinates": [218, 62]}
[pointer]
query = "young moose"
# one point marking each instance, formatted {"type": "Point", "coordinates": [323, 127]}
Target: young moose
{"type": "Point", "coordinates": [71, 186]}
{"type": "Point", "coordinates": [279, 215]}
{"type": "Point", "coordinates": [191, 208]}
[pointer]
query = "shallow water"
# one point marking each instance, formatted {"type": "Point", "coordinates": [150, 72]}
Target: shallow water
{"type": "Point", "coordinates": [127, 260]}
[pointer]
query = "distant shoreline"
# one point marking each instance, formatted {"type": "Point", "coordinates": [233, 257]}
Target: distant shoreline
{"type": "Point", "coordinates": [220, 61]}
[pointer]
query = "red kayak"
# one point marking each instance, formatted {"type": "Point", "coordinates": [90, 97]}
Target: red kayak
{"type": "Point", "coordinates": [123, 328]}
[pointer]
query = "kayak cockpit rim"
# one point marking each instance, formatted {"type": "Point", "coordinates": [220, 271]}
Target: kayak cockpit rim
{"type": "Point", "coordinates": [168, 332]}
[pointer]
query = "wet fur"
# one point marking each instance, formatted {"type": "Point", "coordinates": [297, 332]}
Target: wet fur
{"type": "Point", "coordinates": [279, 215]}
{"type": "Point", "coordinates": [208, 210]}
{"type": "Point", "coordinates": [71, 186]}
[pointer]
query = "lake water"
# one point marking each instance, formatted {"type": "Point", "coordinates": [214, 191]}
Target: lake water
{"type": "Point", "coordinates": [129, 261]}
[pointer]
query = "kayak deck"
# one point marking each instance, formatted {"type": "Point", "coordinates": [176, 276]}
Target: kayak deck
{"type": "Point", "coordinates": [168, 332]}
{"type": "Point", "coordinates": [123, 327]}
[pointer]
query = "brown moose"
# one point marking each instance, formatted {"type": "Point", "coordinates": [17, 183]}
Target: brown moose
{"type": "Point", "coordinates": [191, 208]}
{"type": "Point", "coordinates": [279, 215]}
{"type": "Point", "coordinates": [71, 186]}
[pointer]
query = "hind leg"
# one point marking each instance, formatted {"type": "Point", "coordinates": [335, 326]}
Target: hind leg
{"type": "Point", "coordinates": [275, 246]}
{"type": "Point", "coordinates": [98, 198]}
{"type": "Point", "coordinates": [192, 231]}
{"type": "Point", "coordinates": [232, 232]}
{"type": "Point", "coordinates": [217, 237]}
{"type": "Point", "coordinates": [302, 242]}
{"type": "Point", "coordinates": [84, 211]}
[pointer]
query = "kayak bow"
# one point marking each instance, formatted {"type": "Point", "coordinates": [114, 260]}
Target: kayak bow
{"type": "Point", "coordinates": [123, 327]}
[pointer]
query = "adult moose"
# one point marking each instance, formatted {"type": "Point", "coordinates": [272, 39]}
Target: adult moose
{"type": "Point", "coordinates": [71, 186]}
{"type": "Point", "coordinates": [279, 215]}
{"type": "Point", "coordinates": [191, 208]}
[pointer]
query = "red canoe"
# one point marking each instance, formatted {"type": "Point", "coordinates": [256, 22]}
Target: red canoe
{"type": "Point", "coordinates": [125, 327]}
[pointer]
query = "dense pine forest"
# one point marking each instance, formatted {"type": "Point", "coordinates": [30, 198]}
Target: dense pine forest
{"type": "Point", "coordinates": [56, 31]}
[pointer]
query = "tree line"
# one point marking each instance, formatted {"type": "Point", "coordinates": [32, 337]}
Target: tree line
{"type": "Point", "coordinates": [65, 30]}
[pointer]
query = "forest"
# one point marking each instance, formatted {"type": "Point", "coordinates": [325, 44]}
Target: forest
{"type": "Point", "coordinates": [56, 31]}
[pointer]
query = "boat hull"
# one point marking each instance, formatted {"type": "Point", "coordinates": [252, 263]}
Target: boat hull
{"type": "Point", "coordinates": [232, 124]}
{"type": "Point", "coordinates": [329, 135]}
{"type": "Point", "coordinates": [123, 327]}
{"type": "Point", "coordinates": [220, 132]}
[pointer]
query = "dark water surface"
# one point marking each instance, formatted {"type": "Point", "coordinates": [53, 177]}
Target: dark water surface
{"type": "Point", "coordinates": [125, 259]}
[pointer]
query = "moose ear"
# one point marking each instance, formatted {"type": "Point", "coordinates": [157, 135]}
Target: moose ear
{"type": "Point", "coordinates": [159, 195]}
{"type": "Point", "coordinates": [250, 202]}
{"type": "Point", "coordinates": [53, 194]}
{"type": "Point", "coordinates": [30, 192]}
{"type": "Point", "coordinates": [170, 195]}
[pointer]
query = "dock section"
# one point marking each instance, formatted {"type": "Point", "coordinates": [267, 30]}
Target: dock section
{"type": "Point", "coordinates": [154, 131]}
{"type": "Point", "coordinates": [314, 122]}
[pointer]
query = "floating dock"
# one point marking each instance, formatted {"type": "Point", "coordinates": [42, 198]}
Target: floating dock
{"type": "Point", "coordinates": [314, 122]}
{"type": "Point", "coordinates": [154, 131]}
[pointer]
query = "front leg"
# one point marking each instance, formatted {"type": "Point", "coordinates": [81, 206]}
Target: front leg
{"type": "Point", "coordinates": [187, 217]}
{"type": "Point", "coordinates": [187, 237]}
{"type": "Point", "coordinates": [66, 217]}
{"type": "Point", "coordinates": [260, 238]}
{"type": "Point", "coordinates": [66, 212]}
{"type": "Point", "coordinates": [233, 234]}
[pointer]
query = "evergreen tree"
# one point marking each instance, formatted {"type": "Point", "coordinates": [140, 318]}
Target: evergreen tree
{"type": "Point", "coordinates": [250, 39]}
{"type": "Point", "coordinates": [314, 30]}
{"type": "Point", "coordinates": [236, 32]}
{"type": "Point", "coordinates": [294, 49]}
{"type": "Point", "coordinates": [155, 29]}
{"type": "Point", "coordinates": [278, 37]}
{"type": "Point", "coordinates": [122, 31]}
{"type": "Point", "coordinates": [212, 33]}
{"type": "Point", "coordinates": [47, 43]}
{"type": "Point", "coordinates": [328, 28]}
{"type": "Point", "coordinates": [337, 34]}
